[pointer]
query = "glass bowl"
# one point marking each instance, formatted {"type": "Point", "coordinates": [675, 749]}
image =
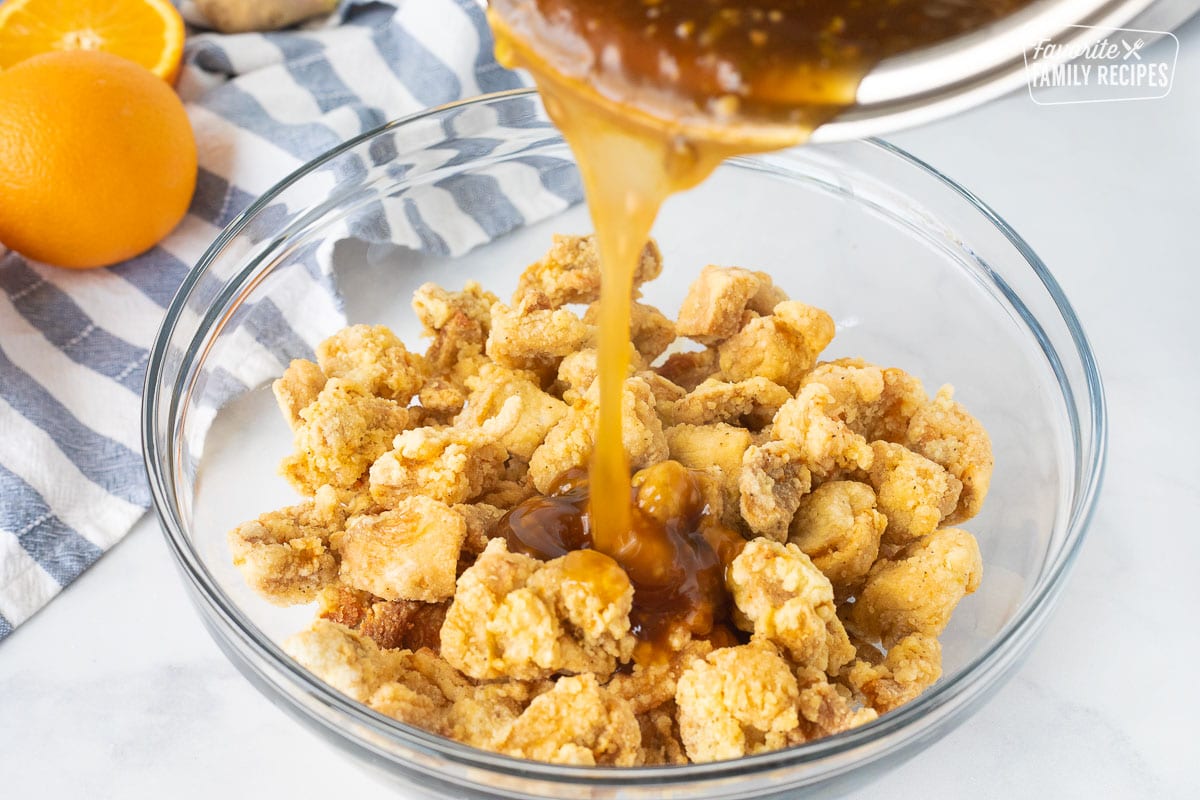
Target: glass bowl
{"type": "Point", "coordinates": [915, 270]}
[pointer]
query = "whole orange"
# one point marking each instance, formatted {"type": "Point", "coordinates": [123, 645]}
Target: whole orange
{"type": "Point", "coordinates": [97, 159]}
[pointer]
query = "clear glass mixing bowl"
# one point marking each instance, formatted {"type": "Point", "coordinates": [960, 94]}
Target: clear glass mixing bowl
{"type": "Point", "coordinates": [915, 270]}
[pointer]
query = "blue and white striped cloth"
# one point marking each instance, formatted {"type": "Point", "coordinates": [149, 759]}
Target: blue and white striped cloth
{"type": "Point", "coordinates": [74, 345]}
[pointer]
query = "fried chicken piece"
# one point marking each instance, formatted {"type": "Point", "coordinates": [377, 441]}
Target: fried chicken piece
{"type": "Point", "coordinates": [345, 659]}
{"type": "Point", "coordinates": [286, 555]}
{"type": "Point", "coordinates": [666, 394]}
{"type": "Point", "coordinates": [651, 684]}
{"type": "Point", "coordinates": [516, 617]}
{"type": "Point", "coordinates": [576, 722]}
{"type": "Point", "coordinates": [661, 742]}
{"type": "Point", "coordinates": [343, 604]}
{"type": "Point", "coordinates": [459, 323]}
{"type": "Point", "coordinates": [339, 435]}
{"type": "Point", "coordinates": [771, 485]}
{"type": "Point", "coordinates": [717, 447]}
{"type": "Point", "coordinates": [371, 358]}
{"type": "Point", "coordinates": [914, 493]}
{"type": "Point", "coordinates": [750, 403]}
{"type": "Point", "coordinates": [911, 666]}
{"type": "Point", "coordinates": [297, 389]}
{"type": "Point", "coordinates": [536, 414]}
{"type": "Point", "coordinates": [414, 686]}
{"type": "Point", "coordinates": [783, 598]}
{"type": "Point", "coordinates": [577, 372]}
{"type": "Point", "coordinates": [482, 716]}
{"type": "Point", "coordinates": [452, 465]}
{"type": "Point", "coordinates": [717, 301]}
{"type": "Point", "coordinates": [406, 624]}
{"type": "Point", "coordinates": [875, 403]}
{"type": "Point", "coordinates": [433, 695]}
{"type": "Point", "coordinates": [902, 396]}
{"type": "Point", "coordinates": [437, 309]}
{"type": "Point", "coordinates": [838, 527]}
{"type": "Point", "coordinates": [780, 347]}
{"type": "Point", "coordinates": [917, 589]}
{"type": "Point", "coordinates": [945, 433]}
{"type": "Point", "coordinates": [391, 624]}
{"type": "Point", "coordinates": [856, 387]}
{"type": "Point", "coordinates": [407, 553]}
{"type": "Point", "coordinates": [480, 519]}
{"type": "Point", "coordinates": [535, 339]}
{"type": "Point", "coordinates": [691, 368]}
{"type": "Point", "coordinates": [825, 708]}
{"type": "Point", "coordinates": [569, 443]}
{"type": "Point", "coordinates": [738, 701]}
{"type": "Point", "coordinates": [650, 331]}
{"type": "Point", "coordinates": [570, 273]}
{"type": "Point", "coordinates": [824, 442]}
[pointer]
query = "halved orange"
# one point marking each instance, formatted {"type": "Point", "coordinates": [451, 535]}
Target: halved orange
{"type": "Point", "coordinates": [148, 32]}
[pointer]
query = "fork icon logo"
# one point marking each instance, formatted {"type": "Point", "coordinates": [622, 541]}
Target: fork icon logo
{"type": "Point", "coordinates": [1132, 49]}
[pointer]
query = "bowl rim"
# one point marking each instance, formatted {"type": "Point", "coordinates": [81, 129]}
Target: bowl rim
{"type": "Point", "coordinates": [1006, 646]}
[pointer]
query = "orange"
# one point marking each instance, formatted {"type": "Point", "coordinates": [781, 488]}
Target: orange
{"type": "Point", "coordinates": [97, 159]}
{"type": "Point", "coordinates": [149, 32]}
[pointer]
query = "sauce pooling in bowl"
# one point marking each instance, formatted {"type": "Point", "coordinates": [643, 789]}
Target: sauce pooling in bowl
{"type": "Point", "coordinates": [675, 551]}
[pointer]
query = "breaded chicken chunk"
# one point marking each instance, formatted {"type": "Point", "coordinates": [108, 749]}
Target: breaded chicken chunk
{"type": "Point", "coordinates": [651, 684]}
{"type": "Point", "coordinates": [406, 553]}
{"type": "Point", "coordinates": [771, 486]}
{"type": "Point", "coordinates": [286, 555]}
{"type": "Point", "coordinates": [690, 368]}
{"type": "Point", "coordinates": [718, 447]}
{"type": "Point", "coordinates": [569, 443]}
{"type": "Point", "coordinates": [537, 413]}
{"type": "Point", "coordinates": [450, 464]}
{"type": "Point", "coordinates": [371, 358]}
{"type": "Point", "coordinates": [339, 435]}
{"type": "Point", "coordinates": [717, 302]}
{"type": "Point", "coordinates": [514, 616]}
{"type": "Point", "coordinates": [576, 722]}
{"type": "Point", "coordinates": [346, 660]}
{"type": "Point", "coordinates": [458, 323]}
{"type": "Point", "coordinates": [650, 331]}
{"type": "Point", "coordinates": [824, 442]}
{"type": "Point", "coordinates": [825, 708]}
{"type": "Point", "coordinates": [780, 596]}
{"type": "Point", "coordinates": [536, 339]}
{"type": "Point", "coordinates": [838, 527]}
{"type": "Point", "coordinates": [437, 308]}
{"type": "Point", "coordinates": [391, 624]}
{"type": "Point", "coordinates": [570, 273]}
{"type": "Point", "coordinates": [873, 402]}
{"type": "Point", "coordinates": [917, 589]}
{"type": "Point", "coordinates": [738, 701]}
{"type": "Point", "coordinates": [911, 666]}
{"type": "Point", "coordinates": [945, 433]}
{"type": "Point", "coordinates": [750, 403]}
{"type": "Point", "coordinates": [914, 493]}
{"type": "Point", "coordinates": [297, 389]}
{"type": "Point", "coordinates": [780, 347]}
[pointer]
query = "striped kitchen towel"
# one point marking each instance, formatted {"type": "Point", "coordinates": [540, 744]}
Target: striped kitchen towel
{"type": "Point", "coordinates": [74, 345]}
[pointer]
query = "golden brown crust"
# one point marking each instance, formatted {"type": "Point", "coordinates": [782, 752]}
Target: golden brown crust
{"type": "Point", "coordinates": [916, 590]}
{"type": "Point", "coordinates": [840, 474]}
{"type": "Point", "coordinates": [839, 528]}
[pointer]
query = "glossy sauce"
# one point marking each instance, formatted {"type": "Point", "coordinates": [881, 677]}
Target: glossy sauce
{"type": "Point", "coordinates": [652, 95]}
{"type": "Point", "coordinates": [675, 556]}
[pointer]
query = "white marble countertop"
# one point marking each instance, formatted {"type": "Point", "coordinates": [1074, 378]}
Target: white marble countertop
{"type": "Point", "coordinates": [115, 690]}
